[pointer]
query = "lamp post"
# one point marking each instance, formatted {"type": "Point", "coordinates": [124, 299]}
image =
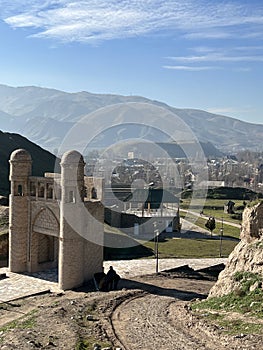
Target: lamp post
{"type": "Point", "coordinates": [156, 247]}
{"type": "Point", "coordinates": [221, 237]}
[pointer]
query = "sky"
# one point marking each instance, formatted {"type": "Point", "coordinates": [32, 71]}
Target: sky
{"type": "Point", "coordinates": [203, 54]}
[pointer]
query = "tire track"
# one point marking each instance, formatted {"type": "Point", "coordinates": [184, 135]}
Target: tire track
{"type": "Point", "coordinates": [143, 323]}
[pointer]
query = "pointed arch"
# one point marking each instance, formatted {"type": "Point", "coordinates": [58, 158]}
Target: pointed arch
{"type": "Point", "coordinates": [46, 222]}
{"type": "Point", "coordinates": [44, 240]}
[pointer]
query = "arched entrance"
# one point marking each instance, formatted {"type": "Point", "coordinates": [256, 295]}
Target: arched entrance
{"type": "Point", "coordinates": [44, 245]}
{"type": "Point", "coordinates": [46, 248]}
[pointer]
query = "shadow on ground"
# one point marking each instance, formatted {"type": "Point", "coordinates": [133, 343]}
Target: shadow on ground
{"type": "Point", "coordinates": [123, 247]}
{"type": "Point", "coordinates": [160, 291]}
{"type": "Point", "coordinates": [151, 283]}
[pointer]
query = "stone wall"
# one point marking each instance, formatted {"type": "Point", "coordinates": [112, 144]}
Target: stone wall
{"type": "Point", "coordinates": [52, 224]}
{"type": "Point", "coordinates": [247, 255]}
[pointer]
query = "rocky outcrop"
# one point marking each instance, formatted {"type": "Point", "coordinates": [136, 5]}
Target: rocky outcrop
{"type": "Point", "coordinates": [247, 256]}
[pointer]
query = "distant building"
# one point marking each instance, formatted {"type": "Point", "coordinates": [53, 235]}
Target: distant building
{"type": "Point", "coordinates": [130, 155]}
{"type": "Point", "coordinates": [155, 203]}
{"type": "Point", "coordinates": [210, 184]}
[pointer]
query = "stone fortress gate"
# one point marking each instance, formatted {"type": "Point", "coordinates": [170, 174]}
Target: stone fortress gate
{"type": "Point", "coordinates": [56, 220]}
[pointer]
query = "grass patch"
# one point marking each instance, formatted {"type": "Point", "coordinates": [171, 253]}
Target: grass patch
{"type": "Point", "coordinates": [247, 280]}
{"type": "Point", "coordinates": [26, 322]}
{"type": "Point", "coordinates": [250, 303]}
{"type": "Point", "coordinates": [243, 301]}
{"type": "Point", "coordinates": [234, 327]}
{"type": "Point", "coordinates": [189, 248]}
{"type": "Point", "coordinates": [136, 248]}
{"type": "Point", "coordinates": [168, 248]}
{"type": "Point", "coordinates": [229, 231]}
{"type": "Point", "coordinates": [214, 207]}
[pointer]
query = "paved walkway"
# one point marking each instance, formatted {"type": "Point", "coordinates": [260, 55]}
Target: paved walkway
{"type": "Point", "coordinates": [17, 286]}
{"type": "Point", "coordinates": [225, 221]}
{"type": "Point", "coordinates": [132, 268]}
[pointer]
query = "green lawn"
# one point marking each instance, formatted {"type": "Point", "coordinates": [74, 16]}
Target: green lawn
{"type": "Point", "coordinates": [213, 207]}
{"type": "Point", "coordinates": [242, 301]}
{"type": "Point", "coordinates": [228, 230]}
{"type": "Point", "coordinates": [192, 248]}
{"type": "Point", "coordinates": [205, 247]}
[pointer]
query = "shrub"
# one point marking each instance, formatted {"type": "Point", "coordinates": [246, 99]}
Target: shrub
{"type": "Point", "coordinates": [237, 216]}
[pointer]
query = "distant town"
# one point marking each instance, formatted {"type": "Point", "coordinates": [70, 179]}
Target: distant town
{"type": "Point", "coordinates": [244, 169]}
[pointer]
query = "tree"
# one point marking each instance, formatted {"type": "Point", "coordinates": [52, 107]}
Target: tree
{"type": "Point", "coordinates": [211, 224]}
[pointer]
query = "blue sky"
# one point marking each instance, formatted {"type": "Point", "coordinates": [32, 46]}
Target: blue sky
{"type": "Point", "coordinates": [190, 54]}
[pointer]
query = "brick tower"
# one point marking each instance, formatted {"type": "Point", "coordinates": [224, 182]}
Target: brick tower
{"type": "Point", "coordinates": [20, 170]}
{"type": "Point", "coordinates": [72, 243]}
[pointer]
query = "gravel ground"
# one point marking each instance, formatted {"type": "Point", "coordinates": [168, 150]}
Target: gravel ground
{"type": "Point", "coordinates": [147, 313]}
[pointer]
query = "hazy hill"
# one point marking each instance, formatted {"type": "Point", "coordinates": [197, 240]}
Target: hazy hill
{"type": "Point", "coordinates": [43, 161]}
{"type": "Point", "coordinates": [145, 150]}
{"type": "Point", "coordinates": [45, 115]}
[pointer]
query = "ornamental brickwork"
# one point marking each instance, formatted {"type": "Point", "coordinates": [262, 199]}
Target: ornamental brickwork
{"type": "Point", "coordinates": [54, 221]}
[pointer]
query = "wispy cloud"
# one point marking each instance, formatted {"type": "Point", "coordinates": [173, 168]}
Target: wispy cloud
{"type": "Point", "coordinates": [213, 34]}
{"type": "Point", "coordinates": [242, 69]}
{"type": "Point", "coordinates": [191, 68]}
{"type": "Point", "coordinates": [222, 56]}
{"type": "Point", "coordinates": [216, 57]}
{"type": "Point", "coordinates": [93, 20]}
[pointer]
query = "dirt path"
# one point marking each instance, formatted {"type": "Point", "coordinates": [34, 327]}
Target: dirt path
{"type": "Point", "coordinates": [230, 223]}
{"type": "Point", "coordinates": [161, 319]}
{"type": "Point", "coordinates": [145, 321]}
{"type": "Point", "coordinates": [146, 313]}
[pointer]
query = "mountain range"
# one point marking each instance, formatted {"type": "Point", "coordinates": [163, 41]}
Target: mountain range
{"type": "Point", "coordinates": [46, 115]}
{"type": "Point", "coordinates": [42, 160]}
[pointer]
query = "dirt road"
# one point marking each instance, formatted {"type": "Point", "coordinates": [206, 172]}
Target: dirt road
{"type": "Point", "coordinates": [147, 313]}
{"type": "Point", "coordinates": [160, 318]}
{"type": "Point", "coordinates": [144, 323]}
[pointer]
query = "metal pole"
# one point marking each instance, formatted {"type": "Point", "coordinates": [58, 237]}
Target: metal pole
{"type": "Point", "coordinates": [157, 252]}
{"type": "Point", "coordinates": [156, 248]}
{"type": "Point", "coordinates": [221, 237]}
